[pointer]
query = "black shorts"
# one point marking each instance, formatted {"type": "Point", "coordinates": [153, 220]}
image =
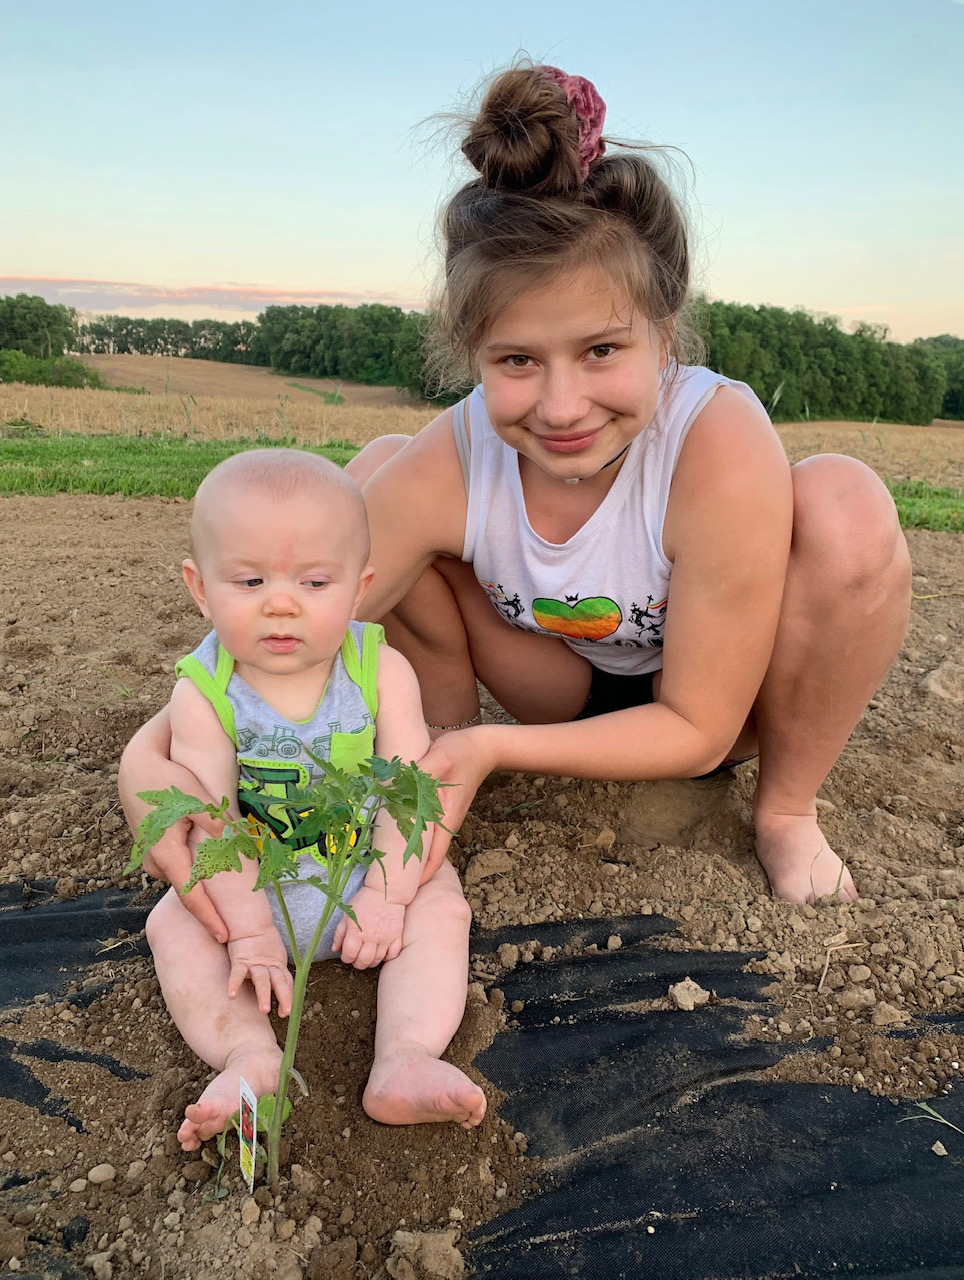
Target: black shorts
{"type": "Point", "coordinates": [610, 692]}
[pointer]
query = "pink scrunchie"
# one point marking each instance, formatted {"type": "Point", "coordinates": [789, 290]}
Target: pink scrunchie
{"type": "Point", "coordinates": [583, 97]}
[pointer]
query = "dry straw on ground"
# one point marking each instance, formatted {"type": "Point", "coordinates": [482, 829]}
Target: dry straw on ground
{"type": "Point", "coordinates": [310, 420]}
{"type": "Point", "coordinates": [934, 454]}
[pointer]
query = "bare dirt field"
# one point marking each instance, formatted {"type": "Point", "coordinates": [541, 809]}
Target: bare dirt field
{"type": "Point", "coordinates": [93, 617]}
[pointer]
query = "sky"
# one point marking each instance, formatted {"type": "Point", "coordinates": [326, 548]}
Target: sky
{"type": "Point", "coordinates": [209, 158]}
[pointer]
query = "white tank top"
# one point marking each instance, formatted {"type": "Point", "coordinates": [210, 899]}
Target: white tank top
{"type": "Point", "coordinates": [605, 590]}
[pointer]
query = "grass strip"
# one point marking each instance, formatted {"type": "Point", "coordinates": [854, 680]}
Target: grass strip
{"type": "Point", "coordinates": [136, 466]}
{"type": "Point", "coordinates": [330, 397]}
{"type": "Point", "coordinates": [35, 463]}
{"type": "Point", "coordinates": [922, 507]}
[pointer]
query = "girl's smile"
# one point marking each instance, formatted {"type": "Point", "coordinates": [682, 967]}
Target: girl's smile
{"type": "Point", "coordinates": [569, 444]}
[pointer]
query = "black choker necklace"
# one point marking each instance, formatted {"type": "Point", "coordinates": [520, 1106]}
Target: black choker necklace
{"type": "Point", "coordinates": [622, 452]}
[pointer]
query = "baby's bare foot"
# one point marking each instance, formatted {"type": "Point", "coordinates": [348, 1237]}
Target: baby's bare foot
{"type": "Point", "coordinates": [799, 863]}
{"type": "Point", "coordinates": [203, 1119]}
{"type": "Point", "coordinates": [409, 1086]}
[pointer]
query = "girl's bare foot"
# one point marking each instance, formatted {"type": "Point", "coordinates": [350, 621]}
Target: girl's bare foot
{"type": "Point", "coordinates": [409, 1086]}
{"type": "Point", "coordinates": [260, 1067]}
{"type": "Point", "coordinates": [799, 863]}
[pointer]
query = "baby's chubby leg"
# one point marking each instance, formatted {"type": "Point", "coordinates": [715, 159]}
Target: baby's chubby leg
{"type": "Point", "coordinates": [421, 999]}
{"type": "Point", "coordinates": [231, 1035]}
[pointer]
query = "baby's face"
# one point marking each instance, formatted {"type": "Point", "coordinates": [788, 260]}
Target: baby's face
{"type": "Point", "coordinates": [280, 580]}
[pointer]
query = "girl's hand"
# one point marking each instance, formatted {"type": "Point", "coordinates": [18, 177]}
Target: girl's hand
{"type": "Point", "coordinates": [145, 766]}
{"type": "Point", "coordinates": [172, 858]}
{"type": "Point", "coordinates": [461, 761]}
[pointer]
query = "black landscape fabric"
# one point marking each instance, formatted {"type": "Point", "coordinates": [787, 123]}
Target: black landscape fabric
{"type": "Point", "coordinates": [664, 1154]}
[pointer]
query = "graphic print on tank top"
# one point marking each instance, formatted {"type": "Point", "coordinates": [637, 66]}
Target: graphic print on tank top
{"type": "Point", "coordinates": [577, 617]}
{"type": "Point", "coordinates": [511, 608]}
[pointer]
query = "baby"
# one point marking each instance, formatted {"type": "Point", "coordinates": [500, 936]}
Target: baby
{"type": "Point", "coordinates": [279, 564]}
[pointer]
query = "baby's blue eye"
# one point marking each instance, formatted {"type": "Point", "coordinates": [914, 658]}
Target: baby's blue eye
{"type": "Point", "coordinates": [251, 582]}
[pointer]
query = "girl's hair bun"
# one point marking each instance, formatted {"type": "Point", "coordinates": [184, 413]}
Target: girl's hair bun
{"type": "Point", "coordinates": [526, 136]}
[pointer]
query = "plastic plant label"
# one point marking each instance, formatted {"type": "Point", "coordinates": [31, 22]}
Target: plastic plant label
{"type": "Point", "coordinates": [249, 1124]}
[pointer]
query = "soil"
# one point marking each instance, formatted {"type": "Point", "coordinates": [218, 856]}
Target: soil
{"type": "Point", "coordinates": [166, 375]}
{"type": "Point", "coordinates": [92, 619]}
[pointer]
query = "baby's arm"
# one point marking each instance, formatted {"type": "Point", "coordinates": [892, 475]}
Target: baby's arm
{"type": "Point", "coordinates": [389, 885]}
{"type": "Point", "coordinates": [255, 948]}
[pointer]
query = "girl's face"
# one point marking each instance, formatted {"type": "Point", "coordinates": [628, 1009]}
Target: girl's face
{"type": "Point", "coordinates": [570, 373]}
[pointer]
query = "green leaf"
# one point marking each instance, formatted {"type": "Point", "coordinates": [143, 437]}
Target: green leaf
{"type": "Point", "coordinates": [413, 803]}
{"type": "Point", "coordinates": [214, 856]}
{"type": "Point", "coordinates": [320, 821]}
{"type": "Point", "coordinates": [170, 807]}
{"type": "Point", "coordinates": [383, 770]}
{"type": "Point", "coordinates": [234, 1120]}
{"type": "Point", "coordinates": [277, 862]}
{"type": "Point", "coordinates": [266, 1106]}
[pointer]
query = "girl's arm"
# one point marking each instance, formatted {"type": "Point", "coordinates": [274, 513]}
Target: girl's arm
{"type": "Point", "coordinates": [390, 884]}
{"type": "Point", "coordinates": [146, 765]}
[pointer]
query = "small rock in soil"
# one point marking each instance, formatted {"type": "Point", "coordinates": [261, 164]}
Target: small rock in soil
{"type": "Point", "coordinates": [687, 994]}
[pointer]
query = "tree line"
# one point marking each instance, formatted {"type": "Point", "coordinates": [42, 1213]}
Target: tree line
{"type": "Point", "coordinates": [230, 342]}
{"type": "Point", "coordinates": [800, 365]}
{"type": "Point", "coordinates": [806, 367]}
{"type": "Point", "coordinates": [372, 344]}
{"type": "Point", "coordinates": [34, 335]}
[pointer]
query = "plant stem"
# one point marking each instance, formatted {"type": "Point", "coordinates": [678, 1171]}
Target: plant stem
{"type": "Point", "coordinates": [302, 970]}
{"type": "Point", "coordinates": [337, 883]}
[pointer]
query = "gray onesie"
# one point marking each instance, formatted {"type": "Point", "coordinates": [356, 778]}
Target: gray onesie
{"type": "Point", "coordinates": [272, 756]}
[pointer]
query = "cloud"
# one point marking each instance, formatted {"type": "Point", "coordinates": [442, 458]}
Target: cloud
{"type": "Point", "coordinates": [128, 298]}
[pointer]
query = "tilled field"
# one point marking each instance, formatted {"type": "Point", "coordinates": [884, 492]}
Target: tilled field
{"type": "Point", "coordinates": [92, 619]}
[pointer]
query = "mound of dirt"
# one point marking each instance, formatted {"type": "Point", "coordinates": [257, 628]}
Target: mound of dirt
{"type": "Point", "coordinates": [93, 617]}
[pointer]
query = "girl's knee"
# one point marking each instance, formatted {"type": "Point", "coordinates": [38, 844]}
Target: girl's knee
{"type": "Point", "coordinates": [367, 461]}
{"type": "Point", "coordinates": [845, 517]}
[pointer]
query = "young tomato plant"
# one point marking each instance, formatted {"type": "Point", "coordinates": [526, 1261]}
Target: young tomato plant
{"type": "Point", "coordinates": [332, 821]}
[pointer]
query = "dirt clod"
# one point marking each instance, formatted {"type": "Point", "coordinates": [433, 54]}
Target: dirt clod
{"type": "Point", "coordinates": [688, 994]}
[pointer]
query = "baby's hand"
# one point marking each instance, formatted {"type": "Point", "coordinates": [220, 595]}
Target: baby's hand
{"type": "Point", "coordinates": [378, 934]}
{"type": "Point", "coordinates": [262, 959]}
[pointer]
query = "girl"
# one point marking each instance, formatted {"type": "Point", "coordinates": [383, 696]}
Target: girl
{"type": "Point", "coordinates": [608, 538]}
